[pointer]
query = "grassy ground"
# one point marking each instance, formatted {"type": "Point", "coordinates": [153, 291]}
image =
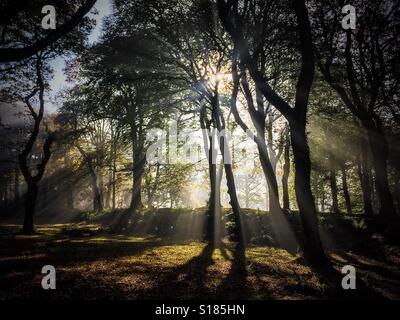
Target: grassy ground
{"type": "Point", "coordinates": [94, 266]}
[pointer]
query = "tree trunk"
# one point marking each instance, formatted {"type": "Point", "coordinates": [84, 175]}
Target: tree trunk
{"type": "Point", "coordinates": [30, 203]}
{"type": "Point", "coordinates": [217, 213]}
{"type": "Point", "coordinates": [69, 199]}
{"type": "Point", "coordinates": [97, 202]}
{"type": "Point", "coordinates": [139, 161]}
{"type": "Point", "coordinates": [138, 171]}
{"type": "Point", "coordinates": [313, 246]}
{"type": "Point", "coordinates": [113, 190]}
{"type": "Point", "coordinates": [30, 179]}
{"type": "Point", "coordinates": [212, 170]}
{"type": "Point", "coordinates": [114, 167]}
{"type": "Point", "coordinates": [380, 153]}
{"type": "Point", "coordinates": [273, 193]}
{"type": "Point", "coordinates": [285, 176]}
{"type": "Point", "coordinates": [334, 191]}
{"type": "Point", "coordinates": [364, 173]}
{"type": "Point", "coordinates": [17, 200]}
{"type": "Point", "coordinates": [230, 181]}
{"type": "Point", "coordinates": [281, 227]}
{"type": "Point", "coordinates": [247, 192]}
{"type": "Point", "coordinates": [346, 193]}
{"type": "Point", "coordinates": [97, 196]}
{"type": "Point", "coordinates": [209, 149]}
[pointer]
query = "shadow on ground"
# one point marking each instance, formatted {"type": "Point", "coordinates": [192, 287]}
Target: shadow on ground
{"type": "Point", "coordinates": [91, 265]}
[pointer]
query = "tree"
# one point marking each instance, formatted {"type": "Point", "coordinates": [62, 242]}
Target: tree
{"type": "Point", "coordinates": [296, 116]}
{"type": "Point", "coordinates": [126, 86]}
{"type": "Point", "coordinates": [33, 177]}
{"type": "Point", "coordinates": [364, 58]}
{"type": "Point", "coordinates": [186, 36]}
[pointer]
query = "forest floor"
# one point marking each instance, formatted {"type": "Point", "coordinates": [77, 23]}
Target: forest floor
{"type": "Point", "coordinates": [92, 265]}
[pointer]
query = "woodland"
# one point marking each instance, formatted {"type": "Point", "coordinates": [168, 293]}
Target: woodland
{"type": "Point", "coordinates": [213, 149]}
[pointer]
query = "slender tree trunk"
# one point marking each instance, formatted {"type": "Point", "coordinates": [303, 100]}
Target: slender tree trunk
{"type": "Point", "coordinates": [281, 227]}
{"type": "Point", "coordinates": [285, 176]}
{"type": "Point", "coordinates": [113, 190]}
{"type": "Point", "coordinates": [217, 213]}
{"type": "Point", "coordinates": [273, 193]}
{"type": "Point", "coordinates": [212, 204]}
{"type": "Point", "coordinates": [364, 174]}
{"type": "Point", "coordinates": [69, 200]}
{"type": "Point", "coordinates": [346, 193]}
{"type": "Point", "coordinates": [97, 202]}
{"type": "Point", "coordinates": [246, 192]}
{"type": "Point", "coordinates": [44, 189]}
{"type": "Point", "coordinates": [97, 196]}
{"type": "Point", "coordinates": [114, 170]}
{"type": "Point", "coordinates": [334, 191]}
{"type": "Point", "coordinates": [238, 230]}
{"type": "Point", "coordinates": [230, 180]}
{"type": "Point", "coordinates": [107, 197]}
{"type": "Point", "coordinates": [332, 163]}
{"type": "Point", "coordinates": [209, 149]}
{"type": "Point", "coordinates": [17, 200]}
{"type": "Point", "coordinates": [2, 202]}
{"type": "Point", "coordinates": [396, 194]}
{"type": "Point", "coordinates": [100, 180]}
{"type": "Point", "coordinates": [152, 191]}
{"type": "Point", "coordinates": [380, 153]}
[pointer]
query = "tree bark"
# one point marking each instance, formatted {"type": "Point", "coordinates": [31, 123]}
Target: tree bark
{"type": "Point", "coordinates": [346, 193]}
{"type": "Point", "coordinates": [209, 149]}
{"type": "Point", "coordinates": [285, 175]}
{"type": "Point", "coordinates": [334, 191]}
{"type": "Point", "coordinates": [137, 173]}
{"type": "Point", "coordinates": [17, 198]}
{"type": "Point", "coordinates": [97, 196]}
{"type": "Point", "coordinates": [211, 211]}
{"type": "Point", "coordinates": [313, 245]}
{"type": "Point", "coordinates": [30, 204]}
{"type": "Point", "coordinates": [230, 180]}
{"type": "Point", "coordinates": [380, 154]}
{"type": "Point", "coordinates": [97, 201]}
{"type": "Point", "coordinates": [364, 173]}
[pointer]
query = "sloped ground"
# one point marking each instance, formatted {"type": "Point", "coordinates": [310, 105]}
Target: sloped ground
{"type": "Point", "coordinates": [94, 266]}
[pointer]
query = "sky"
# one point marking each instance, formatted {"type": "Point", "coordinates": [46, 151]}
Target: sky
{"type": "Point", "coordinates": [104, 8]}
